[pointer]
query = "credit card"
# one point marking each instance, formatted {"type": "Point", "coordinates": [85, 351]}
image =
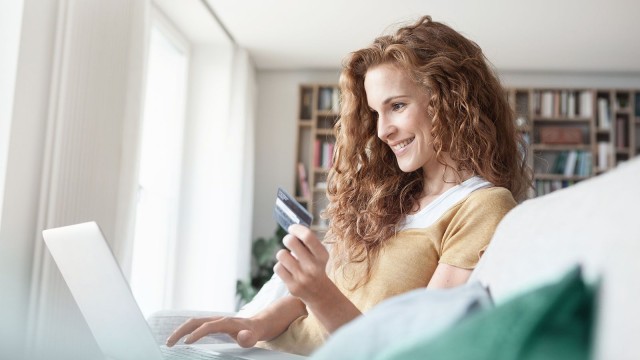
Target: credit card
{"type": "Point", "coordinates": [288, 211]}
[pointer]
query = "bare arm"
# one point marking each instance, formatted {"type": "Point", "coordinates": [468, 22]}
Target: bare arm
{"type": "Point", "coordinates": [447, 276]}
{"type": "Point", "coordinates": [265, 325]}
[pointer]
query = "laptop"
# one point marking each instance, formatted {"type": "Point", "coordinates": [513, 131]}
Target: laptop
{"type": "Point", "coordinates": [109, 308]}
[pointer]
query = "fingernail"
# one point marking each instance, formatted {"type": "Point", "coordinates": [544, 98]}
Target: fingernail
{"type": "Point", "coordinates": [188, 340]}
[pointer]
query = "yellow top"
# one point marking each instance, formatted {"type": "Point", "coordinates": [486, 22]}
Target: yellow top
{"type": "Point", "coordinates": [408, 260]}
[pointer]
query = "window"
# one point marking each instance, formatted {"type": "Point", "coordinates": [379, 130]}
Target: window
{"type": "Point", "coordinates": [159, 169]}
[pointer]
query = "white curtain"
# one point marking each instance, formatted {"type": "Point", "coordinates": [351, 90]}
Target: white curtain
{"type": "Point", "coordinates": [215, 223]}
{"type": "Point", "coordinates": [78, 106]}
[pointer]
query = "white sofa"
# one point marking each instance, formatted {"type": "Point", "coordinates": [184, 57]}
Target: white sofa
{"type": "Point", "coordinates": [595, 223]}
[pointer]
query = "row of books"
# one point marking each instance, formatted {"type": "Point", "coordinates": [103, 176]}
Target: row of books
{"type": "Point", "coordinates": [328, 99]}
{"type": "Point", "coordinates": [544, 187]}
{"type": "Point", "coordinates": [563, 103]}
{"type": "Point", "coordinates": [323, 154]}
{"type": "Point", "coordinates": [573, 162]}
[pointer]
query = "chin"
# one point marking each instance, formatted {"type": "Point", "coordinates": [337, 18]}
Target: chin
{"type": "Point", "coordinates": [407, 168]}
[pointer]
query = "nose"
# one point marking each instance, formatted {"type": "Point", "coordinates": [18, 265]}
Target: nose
{"type": "Point", "coordinates": [385, 128]}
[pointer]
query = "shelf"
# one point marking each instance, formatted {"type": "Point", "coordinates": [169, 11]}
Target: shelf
{"type": "Point", "coordinates": [324, 131]}
{"type": "Point", "coordinates": [544, 147]}
{"type": "Point", "coordinates": [559, 177]}
{"type": "Point", "coordinates": [328, 113]}
{"type": "Point", "coordinates": [562, 119]}
{"type": "Point", "coordinates": [318, 109]}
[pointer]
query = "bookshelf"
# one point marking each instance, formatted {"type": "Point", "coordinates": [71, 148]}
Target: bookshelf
{"type": "Point", "coordinates": [318, 112]}
{"type": "Point", "coordinates": [575, 133]}
{"type": "Point", "coordinates": [572, 134]}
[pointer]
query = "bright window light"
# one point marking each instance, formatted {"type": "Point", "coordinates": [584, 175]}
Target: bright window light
{"type": "Point", "coordinates": [159, 172]}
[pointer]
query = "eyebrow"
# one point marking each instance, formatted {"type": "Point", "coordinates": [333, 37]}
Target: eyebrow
{"type": "Point", "coordinates": [390, 99]}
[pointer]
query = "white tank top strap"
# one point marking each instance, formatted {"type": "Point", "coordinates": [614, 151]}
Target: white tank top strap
{"type": "Point", "coordinates": [433, 211]}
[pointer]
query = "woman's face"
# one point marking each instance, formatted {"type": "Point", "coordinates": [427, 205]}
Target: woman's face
{"type": "Point", "coordinates": [403, 121]}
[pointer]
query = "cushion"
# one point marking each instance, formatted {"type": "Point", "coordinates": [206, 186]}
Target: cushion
{"type": "Point", "coordinates": [423, 312]}
{"type": "Point", "coordinates": [550, 322]}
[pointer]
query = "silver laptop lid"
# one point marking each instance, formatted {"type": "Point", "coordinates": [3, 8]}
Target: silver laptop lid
{"type": "Point", "coordinates": [101, 292]}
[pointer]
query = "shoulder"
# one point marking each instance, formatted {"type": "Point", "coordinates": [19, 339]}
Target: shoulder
{"type": "Point", "coordinates": [483, 203]}
{"type": "Point", "coordinates": [490, 197]}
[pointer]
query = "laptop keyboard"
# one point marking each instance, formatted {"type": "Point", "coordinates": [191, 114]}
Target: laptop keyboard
{"type": "Point", "coordinates": [193, 353]}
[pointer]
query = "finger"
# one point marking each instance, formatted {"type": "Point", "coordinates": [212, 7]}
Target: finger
{"type": "Point", "coordinates": [246, 338]}
{"type": "Point", "coordinates": [222, 325]}
{"type": "Point", "coordinates": [186, 328]}
{"type": "Point", "coordinates": [309, 239]}
{"type": "Point", "coordinates": [283, 273]}
{"type": "Point", "coordinates": [299, 250]}
{"type": "Point", "coordinates": [287, 260]}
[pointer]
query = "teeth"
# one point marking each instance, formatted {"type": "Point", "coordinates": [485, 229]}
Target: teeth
{"type": "Point", "coordinates": [402, 144]}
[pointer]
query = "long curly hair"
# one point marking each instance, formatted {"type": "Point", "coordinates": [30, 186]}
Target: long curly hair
{"type": "Point", "coordinates": [472, 121]}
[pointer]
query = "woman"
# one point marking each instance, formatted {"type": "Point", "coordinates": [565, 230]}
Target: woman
{"type": "Point", "coordinates": [427, 163]}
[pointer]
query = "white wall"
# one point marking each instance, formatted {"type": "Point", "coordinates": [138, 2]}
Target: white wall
{"type": "Point", "coordinates": [276, 133]}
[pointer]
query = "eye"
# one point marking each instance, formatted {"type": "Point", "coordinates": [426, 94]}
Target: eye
{"type": "Point", "coordinates": [398, 106]}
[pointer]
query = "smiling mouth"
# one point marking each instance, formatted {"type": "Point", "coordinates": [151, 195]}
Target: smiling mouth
{"type": "Point", "coordinates": [402, 145]}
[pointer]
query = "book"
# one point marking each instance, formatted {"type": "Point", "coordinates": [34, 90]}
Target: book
{"type": "Point", "coordinates": [317, 153]}
{"type": "Point", "coordinates": [604, 122]}
{"type": "Point", "coordinates": [324, 98]}
{"type": "Point", "coordinates": [335, 100]}
{"type": "Point", "coordinates": [560, 162]}
{"type": "Point", "coordinates": [586, 104]}
{"type": "Point", "coordinates": [327, 154]}
{"type": "Point", "coordinates": [547, 105]}
{"type": "Point", "coordinates": [305, 106]}
{"type": "Point", "coordinates": [303, 182]}
{"type": "Point", "coordinates": [571, 105]}
{"type": "Point", "coordinates": [603, 155]}
{"type": "Point", "coordinates": [570, 165]}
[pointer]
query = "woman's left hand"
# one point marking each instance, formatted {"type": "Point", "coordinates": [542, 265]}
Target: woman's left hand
{"type": "Point", "coordinates": [303, 266]}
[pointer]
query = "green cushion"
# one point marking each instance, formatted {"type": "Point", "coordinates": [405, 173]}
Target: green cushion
{"type": "Point", "coordinates": [550, 322]}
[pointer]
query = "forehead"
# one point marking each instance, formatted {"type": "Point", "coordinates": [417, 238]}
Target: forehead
{"type": "Point", "coordinates": [386, 80]}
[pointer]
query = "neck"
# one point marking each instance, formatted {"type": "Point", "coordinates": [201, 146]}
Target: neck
{"type": "Point", "coordinates": [439, 178]}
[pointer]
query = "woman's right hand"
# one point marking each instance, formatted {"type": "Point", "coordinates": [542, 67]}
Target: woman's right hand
{"type": "Point", "coordinates": [245, 331]}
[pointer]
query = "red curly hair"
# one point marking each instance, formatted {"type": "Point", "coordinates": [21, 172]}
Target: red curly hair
{"type": "Point", "coordinates": [472, 121]}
